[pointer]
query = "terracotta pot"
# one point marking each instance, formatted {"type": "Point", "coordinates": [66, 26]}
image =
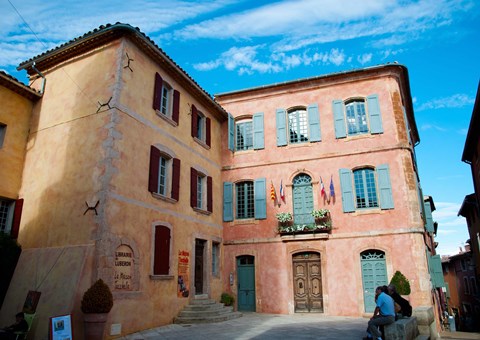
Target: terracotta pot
{"type": "Point", "coordinates": [94, 325]}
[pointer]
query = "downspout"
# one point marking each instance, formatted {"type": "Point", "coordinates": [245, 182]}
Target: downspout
{"type": "Point", "coordinates": [41, 75]}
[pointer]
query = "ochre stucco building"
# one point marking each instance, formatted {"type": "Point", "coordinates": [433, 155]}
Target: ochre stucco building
{"type": "Point", "coordinates": [132, 173]}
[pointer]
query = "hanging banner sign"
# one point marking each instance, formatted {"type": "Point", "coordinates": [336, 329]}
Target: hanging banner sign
{"type": "Point", "coordinates": [183, 270]}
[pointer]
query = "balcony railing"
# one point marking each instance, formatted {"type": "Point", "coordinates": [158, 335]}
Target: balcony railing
{"type": "Point", "coordinates": [319, 225]}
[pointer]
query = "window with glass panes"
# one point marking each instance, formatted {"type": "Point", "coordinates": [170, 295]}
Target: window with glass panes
{"type": "Point", "coordinates": [165, 103]}
{"type": "Point", "coordinates": [215, 257]}
{"type": "Point", "coordinates": [162, 176]}
{"type": "Point", "coordinates": [298, 126]}
{"type": "Point", "coordinates": [356, 117]}
{"type": "Point", "coordinates": [4, 215]}
{"type": "Point", "coordinates": [245, 207]}
{"type": "Point", "coordinates": [244, 136]}
{"type": "Point", "coordinates": [365, 188]}
{"type": "Point", "coordinates": [200, 126]}
{"type": "Point", "coordinates": [200, 190]}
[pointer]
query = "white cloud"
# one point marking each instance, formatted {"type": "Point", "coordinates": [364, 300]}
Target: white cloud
{"type": "Point", "coordinates": [452, 229]}
{"type": "Point", "coordinates": [451, 102]}
{"type": "Point", "coordinates": [432, 127]}
{"type": "Point", "coordinates": [364, 58]}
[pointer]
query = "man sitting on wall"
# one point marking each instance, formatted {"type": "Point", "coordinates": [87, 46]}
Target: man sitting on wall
{"type": "Point", "coordinates": [384, 314]}
{"type": "Point", "coordinates": [20, 325]}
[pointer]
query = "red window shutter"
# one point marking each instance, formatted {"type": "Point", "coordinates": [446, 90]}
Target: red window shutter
{"type": "Point", "coordinates": [194, 121]}
{"type": "Point", "coordinates": [17, 215]}
{"type": "Point", "coordinates": [161, 261]}
{"type": "Point", "coordinates": [154, 168]}
{"type": "Point", "coordinates": [193, 188]}
{"type": "Point", "coordinates": [157, 93]}
{"type": "Point", "coordinates": [176, 179]}
{"type": "Point", "coordinates": [176, 106]}
{"type": "Point", "coordinates": [209, 194]}
{"type": "Point", "coordinates": [208, 134]}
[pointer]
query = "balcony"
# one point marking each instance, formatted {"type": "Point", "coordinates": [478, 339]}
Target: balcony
{"type": "Point", "coordinates": [319, 221]}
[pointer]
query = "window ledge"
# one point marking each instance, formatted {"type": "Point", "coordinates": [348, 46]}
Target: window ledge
{"type": "Point", "coordinates": [201, 211]}
{"type": "Point", "coordinates": [163, 198]}
{"type": "Point", "coordinates": [166, 118]}
{"type": "Point", "coordinates": [161, 277]}
{"type": "Point", "coordinates": [245, 221]}
{"type": "Point", "coordinates": [299, 145]}
{"type": "Point", "coordinates": [361, 136]}
{"type": "Point", "coordinates": [244, 152]}
{"type": "Point", "coordinates": [201, 142]}
{"type": "Point", "coordinates": [367, 212]}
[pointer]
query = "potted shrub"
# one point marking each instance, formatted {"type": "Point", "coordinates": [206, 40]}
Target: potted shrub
{"type": "Point", "coordinates": [322, 218]}
{"type": "Point", "coordinates": [401, 283]}
{"type": "Point", "coordinates": [284, 218]}
{"type": "Point", "coordinates": [227, 299]}
{"type": "Point", "coordinates": [97, 302]}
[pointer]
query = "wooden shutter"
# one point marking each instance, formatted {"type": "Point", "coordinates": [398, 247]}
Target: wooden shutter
{"type": "Point", "coordinates": [258, 134]}
{"type": "Point", "coordinates": [339, 119]}
{"type": "Point", "coordinates": [428, 218]}
{"type": "Point", "coordinates": [437, 271]}
{"type": "Point", "coordinates": [154, 168]}
{"type": "Point", "coordinates": [260, 192]}
{"type": "Point", "coordinates": [374, 114]}
{"type": "Point", "coordinates": [281, 120]}
{"type": "Point", "coordinates": [193, 187]}
{"type": "Point", "coordinates": [231, 132]}
{"type": "Point", "coordinates": [347, 190]}
{"type": "Point", "coordinates": [157, 92]}
{"type": "Point", "coordinates": [17, 215]}
{"type": "Point", "coordinates": [314, 123]}
{"type": "Point", "coordinates": [161, 262]}
{"type": "Point", "coordinates": [194, 121]}
{"type": "Point", "coordinates": [384, 187]}
{"type": "Point", "coordinates": [176, 106]}
{"type": "Point", "coordinates": [175, 178]}
{"type": "Point", "coordinates": [209, 194]}
{"type": "Point", "coordinates": [227, 201]}
{"type": "Point", "coordinates": [208, 131]}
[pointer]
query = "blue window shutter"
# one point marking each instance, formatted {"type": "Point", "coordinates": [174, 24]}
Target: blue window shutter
{"type": "Point", "coordinates": [231, 132]}
{"type": "Point", "coordinates": [438, 279]}
{"type": "Point", "coordinates": [258, 135]}
{"type": "Point", "coordinates": [428, 218]}
{"type": "Point", "coordinates": [347, 190]}
{"type": "Point", "coordinates": [384, 187]}
{"type": "Point", "coordinates": [314, 123]}
{"type": "Point", "coordinates": [281, 127]}
{"type": "Point", "coordinates": [227, 201]}
{"type": "Point", "coordinates": [374, 114]}
{"type": "Point", "coordinates": [339, 119]}
{"type": "Point", "coordinates": [260, 191]}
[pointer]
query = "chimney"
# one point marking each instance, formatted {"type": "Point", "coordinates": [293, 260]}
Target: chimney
{"type": "Point", "coordinates": [467, 247]}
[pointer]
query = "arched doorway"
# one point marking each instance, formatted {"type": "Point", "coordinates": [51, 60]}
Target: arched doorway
{"type": "Point", "coordinates": [246, 283]}
{"type": "Point", "coordinates": [374, 274]}
{"type": "Point", "coordinates": [302, 199]}
{"type": "Point", "coordinates": [307, 282]}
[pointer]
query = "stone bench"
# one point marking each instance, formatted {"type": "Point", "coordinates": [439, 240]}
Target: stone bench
{"type": "Point", "coordinates": [402, 329]}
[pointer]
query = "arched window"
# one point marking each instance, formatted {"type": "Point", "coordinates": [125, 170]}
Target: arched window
{"type": "Point", "coordinates": [356, 117]}
{"type": "Point", "coordinates": [298, 125]}
{"type": "Point", "coordinates": [302, 199]}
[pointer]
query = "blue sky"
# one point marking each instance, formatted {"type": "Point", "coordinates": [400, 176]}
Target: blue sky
{"type": "Point", "coordinates": [229, 45]}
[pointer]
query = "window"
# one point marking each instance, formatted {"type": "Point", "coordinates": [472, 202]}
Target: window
{"type": "Point", "coordinates": [366, 188]}
{"type": "Point", "coordinates": [463, 264]}
{"type": "Point", "coordinates": [161, 260]}
{"type": "Point", "coordinates": [10, 214]}
{"type": "Point", "coordinates": [465, 286]}
{"type": "Point", "coordinates": [473, 286]}
{"type": "Point", "coordinates": [200, 191]}
{"type": "Point", "coordinates": [166, 100]}
{"type": "Point", "coordinates": [215, 258]}
{"type": "Point", "coordinates": [3, 132]}
{"type": "Point", "coordinates": [164, 175]}
{"type": "Point", "coordinates": [245, 207]}
{"type": "Point", "coordinates": [201, 126]}
{"type": "Point", "coordinates": [357, 117]}
{"type": "Point", "coordinates": [298, 125]}
{"type": "Point", "coordinates": [246, 134]}
{"type": "Point", "coordinates": [250, 200]}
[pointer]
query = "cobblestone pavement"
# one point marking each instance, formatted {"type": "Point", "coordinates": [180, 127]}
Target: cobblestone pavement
{"type": "Point", "coordinates": [263, 326]}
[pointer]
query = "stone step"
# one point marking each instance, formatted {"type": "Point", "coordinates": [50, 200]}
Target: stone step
{"type": "Point", "coordinates": [422, 337]}
{"type": "Point", "coordinates": [200, 308]}
{"type": "Point", "coordinates": [203, 302]}
{"type": "Point", "coordinates": [192, 313]}
{"type": "Point", "coordinates": [207, 319]}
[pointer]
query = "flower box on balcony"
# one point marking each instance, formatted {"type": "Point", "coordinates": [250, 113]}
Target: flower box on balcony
{"type": "Point", "coordinates": [303, 229]}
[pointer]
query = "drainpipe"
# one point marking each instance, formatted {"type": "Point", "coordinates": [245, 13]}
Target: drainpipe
{"type": "Point", "coordinates": [41, 75]}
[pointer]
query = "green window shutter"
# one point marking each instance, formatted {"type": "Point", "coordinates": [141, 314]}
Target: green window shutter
{"type": "Point", "coordinates": [258, 134]}
{"type": "Point", "coordinates": [374, 114]}
{"type": "Point", "coordinates": [339, 119]}
{"type": "Point", "coordinates": [281, 118]}
{"type": "Point", "coordinates": [314, 123]}
{"type": "Point", "coordinates": [227, 201]}
{"type": "Point", "coordinates": [384, 187]}
{"type": "Point", "coordinates": [231, 132]}
{"type": "Point", "coordinates": [428, 218]}
{"type": "Point", "coordinates": [347, 190]}
{"type": "Point", "coordinates": [260, 191]}
{"type": "Point", "coordinates": [436, 263]}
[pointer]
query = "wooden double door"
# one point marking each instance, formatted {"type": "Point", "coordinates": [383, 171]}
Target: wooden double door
{"type": "Point", "coordinates": [307, 283]}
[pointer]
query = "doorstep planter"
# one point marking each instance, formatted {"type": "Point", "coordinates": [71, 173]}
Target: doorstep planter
{"type": "Point", "coordinates": [96, 303]}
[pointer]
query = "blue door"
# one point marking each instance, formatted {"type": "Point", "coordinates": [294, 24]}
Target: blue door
{"type": "Point", "coordinates": [374, 274]}
{"type": "Point", "coordinates": [302, 199]}
{"type": "Point", "coordinates": [246, 283]}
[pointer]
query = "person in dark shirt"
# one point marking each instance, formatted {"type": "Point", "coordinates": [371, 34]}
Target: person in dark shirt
{"type": "Point", "coordinates": [20, 325]}
{"type": "Point", "coordinates": [405, 307]}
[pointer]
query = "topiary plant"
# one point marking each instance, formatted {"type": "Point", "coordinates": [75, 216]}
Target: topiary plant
{"type": "Point", "coordinates": [227, 299]}
{"type": "Point", "coordinates": [401, 283]}
{"type": "Point", "coordinates": [97, 299]}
